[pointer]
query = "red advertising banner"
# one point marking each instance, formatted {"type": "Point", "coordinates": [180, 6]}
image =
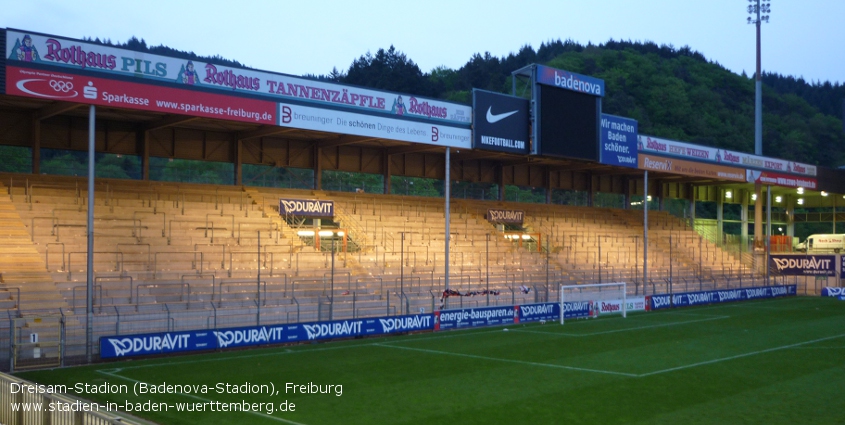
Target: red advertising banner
{"type": "Point", "coordinates": [690, 168]}
{"type": "Point", "coordinates": [57, 85]}
{"type": "Point", "coordinates": [779, 179]}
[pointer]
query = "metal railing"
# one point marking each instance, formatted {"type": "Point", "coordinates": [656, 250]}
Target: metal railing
{"type": "Point", "coordinates": [68, 415]}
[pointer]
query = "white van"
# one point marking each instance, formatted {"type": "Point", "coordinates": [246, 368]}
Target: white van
{"type": "Point", "coordinates": [822, 244]}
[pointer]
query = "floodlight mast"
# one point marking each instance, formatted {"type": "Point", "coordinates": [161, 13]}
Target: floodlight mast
{"type": "Point", "coordinates": [759, 12]}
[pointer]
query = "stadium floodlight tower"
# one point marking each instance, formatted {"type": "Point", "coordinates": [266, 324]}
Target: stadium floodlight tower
{"type": "Point", "coordinates": [759, 11]}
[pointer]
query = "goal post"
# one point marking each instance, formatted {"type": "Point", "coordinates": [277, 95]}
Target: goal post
{"type": "Point", "coordinates": [584, 301]}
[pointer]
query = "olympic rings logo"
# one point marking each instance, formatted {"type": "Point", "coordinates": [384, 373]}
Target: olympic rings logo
{"type": "Point", "coordinates": [61, 86]}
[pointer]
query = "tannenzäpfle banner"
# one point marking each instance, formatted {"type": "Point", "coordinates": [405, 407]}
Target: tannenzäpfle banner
{"type": "Point", "coordinates": [26, 48]}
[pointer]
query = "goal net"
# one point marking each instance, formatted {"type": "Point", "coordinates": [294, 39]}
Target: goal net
{"type": "Point", "coordinates": [583, 301]}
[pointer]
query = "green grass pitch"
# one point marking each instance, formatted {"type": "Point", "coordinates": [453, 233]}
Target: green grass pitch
{"type": "Point", "coordinates": [778, 361]}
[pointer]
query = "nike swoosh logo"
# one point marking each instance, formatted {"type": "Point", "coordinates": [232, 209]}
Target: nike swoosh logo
{"type": "Point", "coordinates": [498, 117]}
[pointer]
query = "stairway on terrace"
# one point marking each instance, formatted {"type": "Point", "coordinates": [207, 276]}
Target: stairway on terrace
{"type": "Point", "coordinates": [25, 283]}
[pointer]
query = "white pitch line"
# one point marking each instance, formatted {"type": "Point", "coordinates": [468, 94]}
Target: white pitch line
{"type": "Point", "coordinates": [739, 356]}
{"type": "Point", "coordinates": [678, 313]}
{"type": "Point", "coordinates": [819, 348]}
{"type": "Point", "coordinates": [522, 362]}
{"type": "Point", "coordinates": [626, 329]}
{"type": "Point", "coordinates": [263, 415]}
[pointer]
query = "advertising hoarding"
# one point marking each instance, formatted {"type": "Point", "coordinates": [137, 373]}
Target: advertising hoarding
{"type": "Point", "coordinates": [473, 317]}
{"type": "Point", "coordinates": [666, 147]}
{"type": "Point", "coordinates": [690, 168]}
{"type": "Point", "coordinates": [780, 179]}
{"type": "Point", "coordinates": [803, 265]}
{"type": "Point", "coordinates": [344, 122]}
{"type": "Point", "coordinates": [500, 122]}
{"type": "Point", "coordinates": [24, 48]}
{"type": "Point", "coordinates": [833, 292]}
{"type": "Point", "coordinates": [306, 207]}
{"type": "Point", "coordinates": [505, 216]}
{"type": "Point", "coordinates": [249, 336]}
{"type": "Point", "coordinates": [618, 145]}
{"type": "Point", "coordinates": [63, 86]}
{"type": "Point", "coordinates": [570, 81]}
{"type": "Point", "coordinates": [719, 296]}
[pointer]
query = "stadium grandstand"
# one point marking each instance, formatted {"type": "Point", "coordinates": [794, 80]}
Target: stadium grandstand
{"type": "Point", "coordinates": [159, 252]}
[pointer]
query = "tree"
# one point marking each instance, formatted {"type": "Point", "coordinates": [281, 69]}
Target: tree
{"type": "Point", "coordinates": [388, 70]}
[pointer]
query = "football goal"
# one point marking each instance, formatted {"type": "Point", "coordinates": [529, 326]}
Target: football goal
{"type": "Point", "coordinates": [583, 301]}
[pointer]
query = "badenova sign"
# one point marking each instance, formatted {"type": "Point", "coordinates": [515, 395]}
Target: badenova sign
{"type": "Point", "coordinates": [570, 81]}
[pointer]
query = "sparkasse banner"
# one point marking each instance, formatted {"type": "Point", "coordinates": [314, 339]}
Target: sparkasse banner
{"type": "Point", "coordinates": [500, 122]}
{"type": "Point", "coordinates": [64, 86]}
{"type": "Point", "coordinates": [618, 141]}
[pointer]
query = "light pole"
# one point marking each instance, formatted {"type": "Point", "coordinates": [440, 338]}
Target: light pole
{"type": "Point", "coordinates": [759, 12]}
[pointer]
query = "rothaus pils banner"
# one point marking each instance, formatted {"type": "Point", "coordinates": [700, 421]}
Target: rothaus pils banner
{"type": "Point", "coordinates": [306, 207]}
{"type": "Point", "coordinates": [500, 122]}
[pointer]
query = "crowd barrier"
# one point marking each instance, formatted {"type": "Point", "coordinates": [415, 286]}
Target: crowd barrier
{"type": "Point", "coordinates": [122, 346]}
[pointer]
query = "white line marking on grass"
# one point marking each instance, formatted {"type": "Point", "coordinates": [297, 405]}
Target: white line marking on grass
{"type": "Point", "coordinates": [678, 313]}
{"type": "Point", "coordinates": [246, 356]}
{"type": "Point", "coordinates": [818, 348]}
{"type": "Point", "coordinates": [739, 356]}
{"type": "Point", "coordinates": [626, 329]}
{"type": "Point", "coordinates": [263, 415]}
{"type": "Point", "coordinates": [522, 362]}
